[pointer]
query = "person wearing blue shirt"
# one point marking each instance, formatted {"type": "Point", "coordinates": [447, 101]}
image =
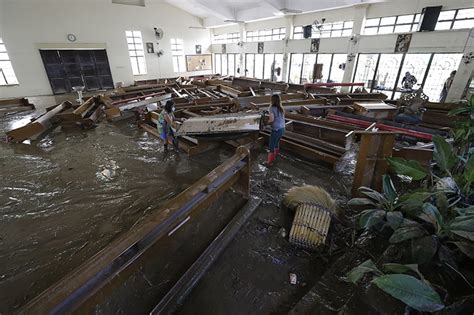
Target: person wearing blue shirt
{"type": "Point", "coordinates": [277, 121]}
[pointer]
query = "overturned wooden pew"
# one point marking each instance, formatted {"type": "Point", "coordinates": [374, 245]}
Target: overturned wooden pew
{"type": "Point", "coordinates": [38, 125]}
{"type": "Point", "coordinates": [14, 105]}
{"type": "Point", "coordinates": [85, 116]}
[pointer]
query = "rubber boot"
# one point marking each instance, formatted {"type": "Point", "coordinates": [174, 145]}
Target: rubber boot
{"type": "Point", "coordinates": [277, 151]}
{"type": "Point", "coordinates": [270, 159]}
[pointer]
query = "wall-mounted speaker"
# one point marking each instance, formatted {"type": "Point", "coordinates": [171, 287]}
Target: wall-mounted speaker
{"type": "Point", "coordinates": [429, 18]}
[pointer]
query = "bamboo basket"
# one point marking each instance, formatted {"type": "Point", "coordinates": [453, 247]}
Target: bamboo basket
{"type": "Point", "coordinates": [310, 226]}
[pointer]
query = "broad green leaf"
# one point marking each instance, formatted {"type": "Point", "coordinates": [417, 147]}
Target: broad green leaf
{"type": "Point", "coordinates": [443, 153]}
{"type": "Point", "coordinates": [373, 194]}
{"type": "Point", "coordinates": [361, 202]}
{"type": "Point", "coordinates": [463, 224]}
{"type": "Point", "coordinates": [432, 215]}
{"type": "Point", "coordinates": [410, 168]}
{"type": "Point", "coordinates": [464, 234]}
{"type": "Point", "coordinates": [412, 202]}
{"type": "Point", "coordinates": [358, 272]}
{"type": "Point", "coordinates": [389, 189]}
{"type": "Point", "coordinates": [466, 248]}
{"type": "Point", "coordinates": [465, 211]}
{"type": "Point", "coordinates": [458, 111]}
{"type": "Point", "coordinates": [406, 233]}
{"type": "Point", "coordinates": [410, 291]}
{"type": "Point", "coordinates": [400, 268]}
{"type": "Point", "coordinates": [423, 249]}
{"type": "Point", "coordinates": [394, 219]}
{"type": "Point", "coordinates": [442, 203]}
{"type": "Point", "coordinates": [469, 169]}
{"type": "Point", "coordinates": [369, 218]}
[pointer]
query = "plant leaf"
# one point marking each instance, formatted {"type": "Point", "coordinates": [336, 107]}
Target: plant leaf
{"type": "Point", "coordinates": [406, 233]}
{"type": "Point", "coordinates": [412, 202]}
{"type": "Point", "coordinates": [469, 169]}
{"type": "Point", "coordinates": [432, 215]}
{"type": "Point", "coordinates": [443, 153]}
{"type": "Point", "coordinates": [373, 194]}
{"type": "Point", "coordinates": [467, 235]}
{"type": "Point", "coordinates": [361, 202]}
{"type": "Point", "coordinates": [400, 268]}
{"type": "Point", "coordinates": [369, 218]}
{"type": "Point", "coordinates": [423, 249]}
{"type": "Point", "coordinates": [410, 291]}
{"type": "Point", "coordinates": [463, 224]}
{"type": "Point", "coordinates": [358, 272]}
{"type": "Point", "coordinates": [389, 189]}
{"type": "Point", "coordinates": [410, 168]}
{"type": "Point", "coordinates": [394, 219]}
{"type": "Point", "coordinates": [466, 248]}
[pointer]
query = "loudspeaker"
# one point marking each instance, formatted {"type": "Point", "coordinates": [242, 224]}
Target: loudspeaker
{"type": "Point", "coordinates": [307, 30]}
{"type": "Point", "coordinates": [429, 18]}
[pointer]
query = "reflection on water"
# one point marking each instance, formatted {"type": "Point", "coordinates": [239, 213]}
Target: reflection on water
{"type": "Point", "coordinates": [66, 196]}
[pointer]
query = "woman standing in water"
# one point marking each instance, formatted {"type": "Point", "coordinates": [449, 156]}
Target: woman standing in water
{"type": "Point", "coordinates": [277, 121]}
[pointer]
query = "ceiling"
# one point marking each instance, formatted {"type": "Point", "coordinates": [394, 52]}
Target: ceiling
{"type": "Point", "coordinates": [215, 12]}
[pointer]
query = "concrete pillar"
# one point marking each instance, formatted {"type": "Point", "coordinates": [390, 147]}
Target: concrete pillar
{"type": "Point", "coordinates": [243, 38]}
{"type": "Point", "coordinates": [464, 72]}
{"type": "Point", "coordinates": [289, 25]}
{"type": "Point", "coordinates": [353, 44]}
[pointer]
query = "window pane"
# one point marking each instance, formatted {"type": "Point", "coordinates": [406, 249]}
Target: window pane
{"type": "Point", "coordinates": [259, 66]}
{"type": "Point", "coordinates": [182, 63]}
{"type": "Point", "coordinates": [231, 62]}
{"type": "Point", "coordinates": [295, 68]}
{"type": "Point", "coordinates": [267, 70]}
{"type": "Point", "coordinates": [365, 68]}
{"type": "Point", "coordinates": [465, 14]}
{"type": "Point", "coordinates": [402, 28]}
{"type": "Point", "coordinates": [141, 65]}
{"type": "Point", "coordinates": [218, 63]}
{"type": "Point", "coordinates": [348, 24]}
{"type": "Point", "coordinates": [371, 31]}
{"type": "Point", "coordinates": [337, 72]}
{"type": "Point", "coordinates": [416, 65]}
{"type": "Point", "coordinates": [325, 59]}
{"type": "Point", "coordinates": [463, 24]}
{"type": "Point", "coordinates": [405, 19]}
{"type": "Point", "coordinates": [443, 26]}
{"type": "Point", "coordinates": [385, 29]}
{"type": "Point", "coordinates": [336, 33]}
{"type": "Point", "coordinates": [446, 15]}
{"type": "Point", "coordinates": [337, 26]}
{"type": "Point", "coordinates": [372, 22]}
{"type": "Point", "coordinates": [308, 65]}
{"type": "Point", "coordinates": [134, 63]}
{"type": "Point", "coordinates": [224, 64]}
{"type": "Point", "coordinates": [347, 32]}
{"type": "Point", "coordinates": [390, 20]}
{"type": "Point", "coordinates": [2, 48]}
{"type": "Point", "coordinates": [417, 18]}
{"type": "Point", "coordinates": [249, 65]}
{"type": "Point", "coordinates": [278, 64]}
{"type": "Point", "coordinates": [441, 67]}
{"type": "Point", "coordinates": [4, 56]}
{"type": "Point", "coordinates": [389, 65]}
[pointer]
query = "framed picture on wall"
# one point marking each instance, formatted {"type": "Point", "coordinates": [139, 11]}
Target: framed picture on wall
{"type": "Point", "coordinates": [150, 48]}
{"type": "Point", "coordinates": [403, 43]}
{"type": "Point", "coordinates": [260, 47]}
{"type": "Point", "coordinates": [314, 45]}
{"type": "Point", "coordinates": [198, 49]}
{"type": "Point", "coordinates": [198, 63]}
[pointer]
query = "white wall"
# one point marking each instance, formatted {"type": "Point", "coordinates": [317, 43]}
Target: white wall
{"type": "Point", "coordinates": [27, 25]}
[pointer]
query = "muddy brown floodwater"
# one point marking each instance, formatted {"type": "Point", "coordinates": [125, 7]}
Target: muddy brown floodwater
{"type": "Point", "coordinates": [66, 196]}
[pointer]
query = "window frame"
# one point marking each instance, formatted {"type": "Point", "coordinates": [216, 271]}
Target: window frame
{"type": "Point", "coordinates": [135, 54]}
{"type": "Point", "coordinates": [177, 55]}
{"type": "Point", "coordinates": [330, 28]}
{"type": "Point", "coordinates": [455, 19]}
{"type": "Point", "coordinates": [413, 24]}
{"type": "Point", "coordinates": [9, 64]}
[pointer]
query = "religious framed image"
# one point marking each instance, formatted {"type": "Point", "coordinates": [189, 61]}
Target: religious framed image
{"type": "Point", "coordinates": [403, 43]}
{"type": "Point", "coordinates": [198, 49]}
{"type": "Point", "coordinates": [150, 48]}
{"type": "Point", "coordinates": [314, 45]}
{"type": "Point", "coordinates": [224, 48]}
{"type": "Point", "coordinates": [260, 47]}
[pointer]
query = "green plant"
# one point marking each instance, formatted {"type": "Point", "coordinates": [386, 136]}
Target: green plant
{"type": "Point", "coordinates": [400, 284]}
{"type": "Point", "coordinates": [464, 131]}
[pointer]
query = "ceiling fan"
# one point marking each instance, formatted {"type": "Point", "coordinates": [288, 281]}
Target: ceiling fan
{"type": "Point", "coordinates": [234, 21]}
{"type": "Point", "coordinates": [286, 11]}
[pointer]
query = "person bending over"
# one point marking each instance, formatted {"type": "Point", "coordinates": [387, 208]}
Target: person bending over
{"type": "Point", "coordinates": [166, 123]}
{"type": "Point", "coordinates": [277, 121]}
